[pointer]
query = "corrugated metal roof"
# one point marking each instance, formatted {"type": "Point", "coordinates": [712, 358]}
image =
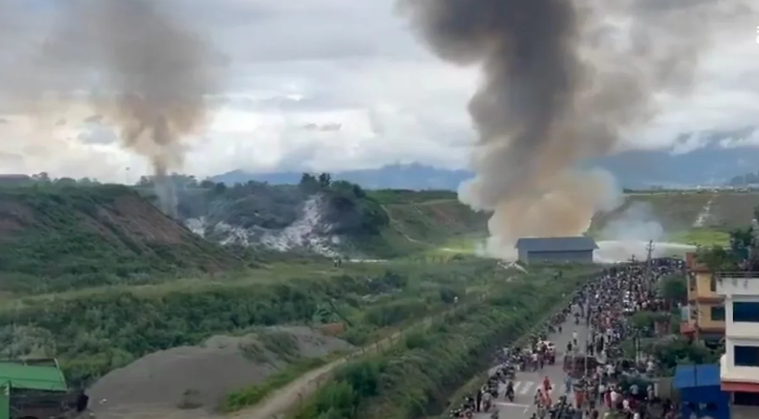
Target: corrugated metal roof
{"type": "Point", "coordinates": [689, 376]}
{"type": "Point", "coordinates": [32, 377]}
{"type": "Point", "coordinates": [556, 244]}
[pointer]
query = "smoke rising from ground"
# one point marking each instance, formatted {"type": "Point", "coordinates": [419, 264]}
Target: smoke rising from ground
{"type": "Point", "coordinates": [132, 66]}
{"type": "Point", "coordinates": [561, 81]}
{"type": "Point", "coordinates": [636, 223]}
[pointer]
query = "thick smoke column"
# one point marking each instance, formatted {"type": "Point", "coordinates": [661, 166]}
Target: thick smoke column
{"type": "Point", "coordinates": [159, 71]}
{"type": "Point", "coordinates": [134, 66]}
{"type": "Point", "coordinates": [562, 80]}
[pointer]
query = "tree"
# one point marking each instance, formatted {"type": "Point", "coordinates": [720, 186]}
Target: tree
{"type": "Point", "coordinates": [671, 351]}
{"type": "Point", "coordinates": [65, 181]}
{"type": "Point", "coordinates": [674, 289]}
{"type": "Point", "coordinates": [325, 180]}
{"type": "Point", "coordinates": [42, 177]}
{"type": "Point", "coordinates": [742, 242]}
{"type": "Point", "coordinates": [716, 258]}
{"type": "Point", "coordinates": [308, 184]}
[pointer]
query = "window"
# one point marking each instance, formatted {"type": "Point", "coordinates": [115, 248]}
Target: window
{"type": "Point", "coordinates": [718, 313]}
{"type": "Point", "coordinates": [746, 356]}
{"type": "Point", "coordinates": [745, 399]}
{"type": "Point", "coordinates": [712, 284]}
{"type": "Point", "coordinates": [746, 312]}
{"type": "Point", "coordinates": [692, 282]}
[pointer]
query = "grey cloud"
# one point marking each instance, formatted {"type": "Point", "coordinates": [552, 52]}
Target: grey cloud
{"type": "Point", "coordinates": [95, 134]}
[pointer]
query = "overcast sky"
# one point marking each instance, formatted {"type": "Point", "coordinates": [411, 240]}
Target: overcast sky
{"type": "Point", "coordinates": [340, 84]}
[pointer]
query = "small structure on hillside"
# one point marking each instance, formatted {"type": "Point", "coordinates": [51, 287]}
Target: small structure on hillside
{"type": "Point", "coordinates": [36, 388]}
{"type": "Point", "coordinates": [556, 250]}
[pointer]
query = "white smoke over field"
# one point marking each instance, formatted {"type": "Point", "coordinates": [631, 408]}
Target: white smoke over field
{"type": "Point", "coordinates": [562, 81]}
{"type": "Point", "coordinates": [631, 233]}
{"type": "Point", "coordinates": [636, 223]}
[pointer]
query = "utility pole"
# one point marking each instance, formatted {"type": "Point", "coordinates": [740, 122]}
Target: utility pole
{"type": "Point", "coordinates": [649, 250]}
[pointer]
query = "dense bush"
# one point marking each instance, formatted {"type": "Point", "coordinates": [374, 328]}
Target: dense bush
{"type": "Point", "coordinates": [96, 332]}
{"type": "Point", "coordinates": [404, 383]}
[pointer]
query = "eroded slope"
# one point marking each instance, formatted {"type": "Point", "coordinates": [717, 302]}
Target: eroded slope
{"type": "Point", "coordinates": [87, 236]}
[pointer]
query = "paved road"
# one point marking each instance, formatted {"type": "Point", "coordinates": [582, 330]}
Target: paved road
{"type": "Point", "coordinates": [527, 383]}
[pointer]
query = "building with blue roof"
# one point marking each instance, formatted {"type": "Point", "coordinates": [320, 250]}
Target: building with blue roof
{"type": "Point", "coordinates": [700, 392]}
{"type": "Point", "coordinates": [556, 249]}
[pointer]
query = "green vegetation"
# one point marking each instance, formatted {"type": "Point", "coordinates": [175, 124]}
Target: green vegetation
{"type": "Point", "coordinates": [674, 289]}
{"type": "Point", "coordinates": [412, 379]}
{"type": "Point", "coordinates": [54, 238]}
{"type": "Point", "coordinates": [250, 396]}
{"type": "Point", "coordinates": [93, 331]}
{"type": "Point", "coordinates": [701, 237]}
{"type": "Point", "coordinates": [741, 252]}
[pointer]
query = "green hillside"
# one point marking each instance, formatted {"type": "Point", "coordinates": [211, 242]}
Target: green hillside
{"type": "Point", "coordinates": [57, 237]}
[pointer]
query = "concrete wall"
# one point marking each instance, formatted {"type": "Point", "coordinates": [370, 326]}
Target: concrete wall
{"type": "Point", "coordinates": [703, 286]}
{"type": "Point", "coordinates": [736, 289]}
{"type": "Point", "coordinates": [705, 316]}
{"type": "Point", "coordinates": [559, 257]}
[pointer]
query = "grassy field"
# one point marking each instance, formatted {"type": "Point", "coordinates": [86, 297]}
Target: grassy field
{"type": "Point", "coordinates": [442, 225]}
{"type": "Point", "coordinates": [687, 213]}
{"type": "Point", "coordinates": [96, 329]}
{"type": "Point", "coordinates": [414, 379]}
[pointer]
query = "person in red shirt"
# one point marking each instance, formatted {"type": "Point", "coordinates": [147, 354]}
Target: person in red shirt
{"type": "Point", "coordinates": [547, 384]}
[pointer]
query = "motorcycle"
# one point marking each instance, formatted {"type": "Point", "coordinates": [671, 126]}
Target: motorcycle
{"type": "Point", "coordinates": [487, 405]}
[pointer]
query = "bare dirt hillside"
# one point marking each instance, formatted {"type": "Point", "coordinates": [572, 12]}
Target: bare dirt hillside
{"type": "Point", "coordinates": [191, 381]}
{"type": "Point", "coordinates": [95, 233]}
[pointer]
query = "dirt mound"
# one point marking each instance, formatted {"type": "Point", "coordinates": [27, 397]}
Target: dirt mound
{"type": "Point", "coordinates": [190, 381]}
{"type": "Point", "coordinates": [54, 231]}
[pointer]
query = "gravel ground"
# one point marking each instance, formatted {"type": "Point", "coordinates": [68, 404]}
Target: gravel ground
{"type": "Point", "coordinates": [189, 382]}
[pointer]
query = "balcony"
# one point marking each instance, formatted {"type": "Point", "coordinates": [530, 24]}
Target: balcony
{"type": "Point", "coordinates": [738, 283]}
{"type": "Point", "coordinates": [687, 328]}
{"type": "Point", "coordinates": [733, 374]}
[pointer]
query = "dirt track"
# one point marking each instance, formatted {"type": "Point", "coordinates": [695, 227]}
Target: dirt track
{"type": "Point", "coordinates": [299, 390]}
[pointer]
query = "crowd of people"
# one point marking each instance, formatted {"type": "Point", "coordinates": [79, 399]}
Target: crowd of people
{"type": "Point", "coordinates": [600, 380]}
{"type": "Point", "coordinates": [609, 382]}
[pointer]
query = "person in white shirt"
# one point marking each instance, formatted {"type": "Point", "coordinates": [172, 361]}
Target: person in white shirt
{"type": "Point", "coordinates": [614, 398]}
{"type": "Point", "coordinates": [626, 405]}
{"type": "Point", "coordinates": [486, 400]}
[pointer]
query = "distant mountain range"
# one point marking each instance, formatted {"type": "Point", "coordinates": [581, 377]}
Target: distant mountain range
{"type": "Point", "coordinates": [712, 165]}
{"type": "Point", "coordinates": [396, 176]}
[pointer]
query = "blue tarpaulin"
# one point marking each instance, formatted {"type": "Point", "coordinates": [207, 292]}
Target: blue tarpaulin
{"type": "Point", "coordinates": [700, 392]}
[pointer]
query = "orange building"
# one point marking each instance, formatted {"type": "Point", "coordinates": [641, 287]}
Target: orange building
{"type": "Point", "coordinates": [704, 316]}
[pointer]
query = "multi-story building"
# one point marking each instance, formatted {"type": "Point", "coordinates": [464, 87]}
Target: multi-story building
{"type": "Point", "coordinates": [704, 316]}
{"type": "Point", "coordinates": [739, 366]}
